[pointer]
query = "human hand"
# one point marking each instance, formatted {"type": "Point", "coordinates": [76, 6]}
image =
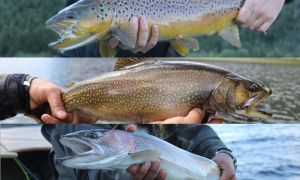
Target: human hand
{"type": "Point", "coordinates": [259, 14]}
{"type": "Point", "coordinates": [42, 91]}
{"type": "Point", "coordinates": [143, 43]}
{"type": "Point", "coordinates": [225, 162]}
{"type": "Point", "coordinates": [195, 116]}
{"type": "Point", "coordinates": [147, 170]}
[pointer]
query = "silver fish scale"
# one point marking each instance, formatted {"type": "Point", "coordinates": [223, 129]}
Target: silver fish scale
{"type": "Point", "coordinates": [140, 141]}
{"type": "Point", "coordinates": [162, 11]}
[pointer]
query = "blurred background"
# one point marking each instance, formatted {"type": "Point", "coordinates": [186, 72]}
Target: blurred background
{"type": "Point", "coordinates": [23, 33]}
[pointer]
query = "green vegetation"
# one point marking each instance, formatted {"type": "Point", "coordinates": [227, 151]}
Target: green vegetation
{"type": "Point", "coordinates": [23, 33]}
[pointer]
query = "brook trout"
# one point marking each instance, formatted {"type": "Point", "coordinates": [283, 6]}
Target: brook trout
{"type": "Point", "coordinates": [179, 22]}
{"type": "Point", "coordinates": [117, 150]}
{"type": "Point", "coordinates": [148, 90]}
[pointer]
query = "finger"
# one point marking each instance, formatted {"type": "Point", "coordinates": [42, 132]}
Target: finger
{"type": "Point", "coordinates": [47, 119]}
{"type": "Point", "coordinates": [226, 175]}
{"type": "Point", "coordinates": [263, 28]}
{"type": "Point", "coordinates": [216, 121]}
{"type": "Point", "coordinates": [133, 169]}
{"type": "Point", "coordinates": [257, 23]}
{"type": "Point", "coordinates": [244, 13]}
{"type": "Point", "coordinates": [162, 175]}
{"type": "Point", "coordinates": [142, 171]}
{"type": "Point", "coordinates": [153, 39]}
{"type": "Point", "coordinates": [249, 22]}
{"type": "Point", "coordinates": [113, 42]}
{"type": "Point", "coordinates": [194, 117]}
{"type": "Point", "coordinates": [153, 171]}
{"type": "Point", "coordinates": [131, 128]}
{"type": "Point", "coordinates": [56, 104]}
{"type": "Point", "coordinates": [135, 22]}
{"type": "Point", "coordinates": [142, 33]}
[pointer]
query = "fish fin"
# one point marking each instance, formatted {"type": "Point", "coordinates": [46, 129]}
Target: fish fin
{"type": "Point", "coordinates": [71, 84]}
{"type": "Point", "coordinates": [231, 35]}
{"type": "Point", "coordinates": [105, 50]}
{"type": "Point", "coordinates": [126, 33]}
{"type": "Point", "coordinates": [183, 45]}
{"type": "Point", "coordinates": [126, 63]}
{"type": "Point", "coordinates": [142, 156]}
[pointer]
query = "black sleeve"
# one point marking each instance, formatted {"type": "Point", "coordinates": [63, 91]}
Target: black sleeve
{"type": "Point", "coordinates": [13, 98]}
{"type": "Point", "coordinates": [288, 1]}
{"type": "Point", "coordinates": [198, 139]}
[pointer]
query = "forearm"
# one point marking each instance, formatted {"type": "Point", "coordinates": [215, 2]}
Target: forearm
{"type": "Point", "coordinates": [14, 96]}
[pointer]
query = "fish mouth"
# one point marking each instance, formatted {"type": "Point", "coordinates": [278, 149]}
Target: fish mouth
{"type": "Point", "coordinates": [69, 35]}
{"type": "Point", "coordinates": [250, 109]}
{"type": "Point", "coordinates": [79, 147]}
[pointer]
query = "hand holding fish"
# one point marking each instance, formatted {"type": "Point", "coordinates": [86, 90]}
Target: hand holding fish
{"type": "Point", "coordinates": [259, 15]}
{"type": "Point", "coordinates": [144, 43]}
{"type": "Point", "coordinates": [42, 91]}
{"type": "Point", "coordinates": [148, 171]}
{"type": "Point", "coordinates": [194, 117]}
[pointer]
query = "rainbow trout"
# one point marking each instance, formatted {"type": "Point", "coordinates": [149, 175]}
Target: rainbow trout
{"type": "Point", "coordinates": [117, 150]}
{"type": "Point", "coordinates": [179, 22]}
{"type": "Point", "coordinates": [148, 90]}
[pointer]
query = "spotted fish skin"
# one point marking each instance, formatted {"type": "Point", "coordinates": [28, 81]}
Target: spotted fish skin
{"type": "Point", "coordinates": [178, 21]}
{"type": "Point", "coordinates": [117, 150]}
{"type": "Point", "coordinates": [158, 90]}
{"type": "Point", "coordinates": [150, 93]}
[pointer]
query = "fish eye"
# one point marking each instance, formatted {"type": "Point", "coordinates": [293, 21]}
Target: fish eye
{"type": "Point", "coordinates": [93, 135]}
{"type": "Point", "coordinates": [70, 15]}
{"type": "Point", "coordinates": [253, 88]}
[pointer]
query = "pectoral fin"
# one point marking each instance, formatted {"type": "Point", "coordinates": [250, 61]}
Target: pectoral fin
{"type": "Point", "coordinates": [183, 45]}
{"type": "Point", "coordinates": [142, 156]}
{"type": "Point", "coordinates": [105, 50]}
{"type": "Point", "coordinates": [231, 34]}
{"type": "Point", "coordinates": [126, 33]}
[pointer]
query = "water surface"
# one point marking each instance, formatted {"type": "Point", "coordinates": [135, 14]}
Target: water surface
{"type": "Point", "coordinates": [264, 151]}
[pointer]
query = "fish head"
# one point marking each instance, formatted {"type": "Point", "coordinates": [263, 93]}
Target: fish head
{"type": "Point", "coordinates": [95, 149]}
{"type": "Point", "coordinates": [80, 24]}
{"type": "Point", "coordinates": [239, 97]}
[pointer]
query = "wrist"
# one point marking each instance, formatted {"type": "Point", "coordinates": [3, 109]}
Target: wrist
{"type": "Point", "coordinates": [27, 83]}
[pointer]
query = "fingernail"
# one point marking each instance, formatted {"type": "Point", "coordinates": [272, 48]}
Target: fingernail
{"type": "Point", "coordinates": [61, 114]}
{"type": "Point", "coordinates": [198, 110]}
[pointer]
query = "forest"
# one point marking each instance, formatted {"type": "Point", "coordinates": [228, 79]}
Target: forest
{"type": "Point", "coordinates": [23, 33]}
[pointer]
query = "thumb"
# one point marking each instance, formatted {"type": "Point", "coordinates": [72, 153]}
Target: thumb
{"type": "Point", "coordinates": [194, 117]}
{"type": "Point", "coordinates": [56, 105]}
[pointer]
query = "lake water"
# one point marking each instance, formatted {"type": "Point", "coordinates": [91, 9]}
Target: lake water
{"type": "Point", "coordinates": [264, 151]}
{"type": "Point", "coordinates": [282, 78]}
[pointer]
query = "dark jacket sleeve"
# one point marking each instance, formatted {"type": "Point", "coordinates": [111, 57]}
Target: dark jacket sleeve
{"type": "Point", "coordinates": [198, 139]}
{"type": "Point", "coordinates": [12, 95]}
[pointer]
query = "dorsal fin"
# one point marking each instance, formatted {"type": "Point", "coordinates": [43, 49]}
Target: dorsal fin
{"type": "Point", "coordinates": [71, 84]}
{"type": "Point", "coordinates": [123, 63]}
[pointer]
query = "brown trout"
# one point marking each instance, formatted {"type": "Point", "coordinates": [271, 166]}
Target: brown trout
{"type": "Point", "coordinates": [144, 91]}
{"type": "Point", "coordinates": [117, 150]}
{"type": "Point", "coordinates": [179, 22]}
